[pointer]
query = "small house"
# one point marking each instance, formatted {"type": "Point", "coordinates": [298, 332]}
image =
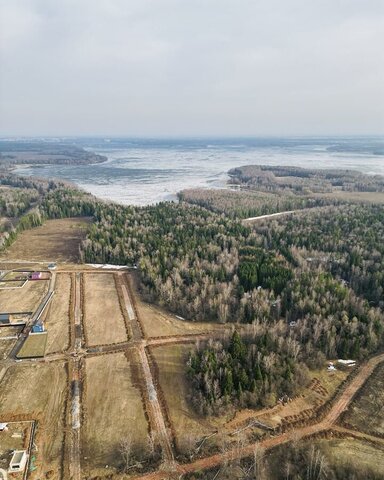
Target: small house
{"type": "Point", "coordinates": [35, 276]}
{"type": "Point", "coordinates": [18, 461]}
{"type": "Point", "coordinates": [4, 318]}
{"type": "Point", "coordinates": [38, 329]}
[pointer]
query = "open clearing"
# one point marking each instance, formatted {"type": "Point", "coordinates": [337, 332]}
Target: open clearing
{"type": "Point", "coordinates": [25, 299]}
{"type": "Point", "coordinates": [56, 240]}
{"type": "Point", "coordinates": [367, 410]}
{"type": "Point", "coordinates": [34, 346]}
{"type": "Point", "coordinates": [42, 397]}
{"type": "Point", "coordinates": [56, 318]}
{"type": "Point", "coordinates": [354, 453]}
{"type": "Point", "coordinates": [113, 411]}
{"type": "Point", "coordinates": [104, 322]}
{"type": "Point", "coordinates": [369, 197]}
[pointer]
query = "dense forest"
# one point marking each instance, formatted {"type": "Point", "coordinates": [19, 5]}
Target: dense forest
{"type": "Point", "coordinates": [244, 204]}
{"type": "Point", "coordinates": [296, 180]}
{"type": "Point", "coordinates": [261, 190]}
{"type": "Point", "coordinates": [346, 241]}
{"type": "Point", "coordinates": [251, 371]}
{"type": "Point", "coordinates": [308, 285]}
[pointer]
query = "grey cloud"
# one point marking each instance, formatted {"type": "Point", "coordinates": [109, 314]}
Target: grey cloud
{"type": "Point", "coordinates": [176, 67]}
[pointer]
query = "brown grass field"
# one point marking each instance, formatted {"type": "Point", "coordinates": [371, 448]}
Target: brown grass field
{"type": "Point", "coordinates": [5, 348]}
{"type": "Point", "coordinates": [38, 392]}
{"type": "Point", "coordinates": [113, 410]}
{"type": "Point", "coordinates": [24, 299]}
{"type": "Point", "coordinates": [353, 453]}
{"type": "Point", "coordinates": [56, 240]}
{"type": "Point", "coordinates": [104, 322]}
{"type": "Point", "coordinates": [56, 319]}
{"type": "Point", "coordinates": [367, 410]}
{"type": "Point", "coordinates": [34, 346]}
{"type": "Point", "coordinates": [12, 285]}
{"type": "Point", "coordinates": [188, 426]}
{"type": "Point", "coordinates": [365, 197]}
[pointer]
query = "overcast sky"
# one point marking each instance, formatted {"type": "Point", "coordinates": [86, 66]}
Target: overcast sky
{"type": "Point", "coordinates": [191, 67]}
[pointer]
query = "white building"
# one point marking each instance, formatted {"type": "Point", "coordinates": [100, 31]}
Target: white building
{"type": "Point", "coordinates": [18, 461]}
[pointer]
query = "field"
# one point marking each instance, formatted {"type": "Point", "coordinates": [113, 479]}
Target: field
{"type": "Point", "coordinates": [188, 426]}
{"type": "Point", "coordinates": [104, 322]}
{"type": "Point", "coordinates": [56, 319]}
{"type": "Point", "coordinates": [34, 346]}
{"type": "Point", "coordinates": [6, 347]}
{"type": "Point", "coordinates": [367, 410]}
{"type": "Point", "coordinates": [39, 392]}
{"type": "Point", "coordinates": [354, 454]}
{"type": "Point", "coordinates": [56, 240]}
{"type": "Point", "coordinates": [113, 411]}
{"type": "Point", "coordinates": [12, 284]}
{"type": "Point", "coordinates": [369, 197]}
{"type": "Point", "coordinates": [24, 299]}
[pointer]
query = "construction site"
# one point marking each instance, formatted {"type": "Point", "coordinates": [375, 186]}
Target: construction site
{"type": "Point", "coordinates": [93, 385]}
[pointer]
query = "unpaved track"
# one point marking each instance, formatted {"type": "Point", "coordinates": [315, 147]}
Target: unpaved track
{"type": "Point", "coordinates": [359, 435]}
{"type": "Point", "coordinates": [74, 460]}
{"type": "Point", "coordinates": [157, 416]}
{"type": "Point", "coordinates": [326, 424]}
{"type": "Point", "coordinates": [156, 412]}
{"type": "Point", "coordinates": [154, 408]}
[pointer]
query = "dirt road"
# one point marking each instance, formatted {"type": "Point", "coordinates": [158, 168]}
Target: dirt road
{"type": "Point", "coordinates": [74, 463]}
{"type": "Point", "coordinates": [158, 420]}
{"type": "Point", "coordinates": [340, 404]}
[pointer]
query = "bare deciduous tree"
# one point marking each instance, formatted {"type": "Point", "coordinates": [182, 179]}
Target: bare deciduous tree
{"type": "Point", "coordinates": [125, 449]}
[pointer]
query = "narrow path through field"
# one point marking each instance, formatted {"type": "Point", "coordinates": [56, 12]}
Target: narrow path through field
{"type": "Point", "coordinates": [74, 461]}
{"type": "Point", "coordinates": [153, 404]}
{"type": "Point", "coordinates": [156, 412]}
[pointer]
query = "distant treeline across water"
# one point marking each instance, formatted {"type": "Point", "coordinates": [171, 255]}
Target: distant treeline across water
{"type": "Point", "coordinates": [144, 171]}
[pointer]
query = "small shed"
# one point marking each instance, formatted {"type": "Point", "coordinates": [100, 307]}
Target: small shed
{"type": "Point", "coordinates": [4, 318]}
{"type": "Point", "coordinates": [3, 427]}
{"type": "Point", "coordinates": [18, 461]}
{"type": "Point", "coordinates": [35, 276]}
{"type": "Point", "coordinates": [38, 328]}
